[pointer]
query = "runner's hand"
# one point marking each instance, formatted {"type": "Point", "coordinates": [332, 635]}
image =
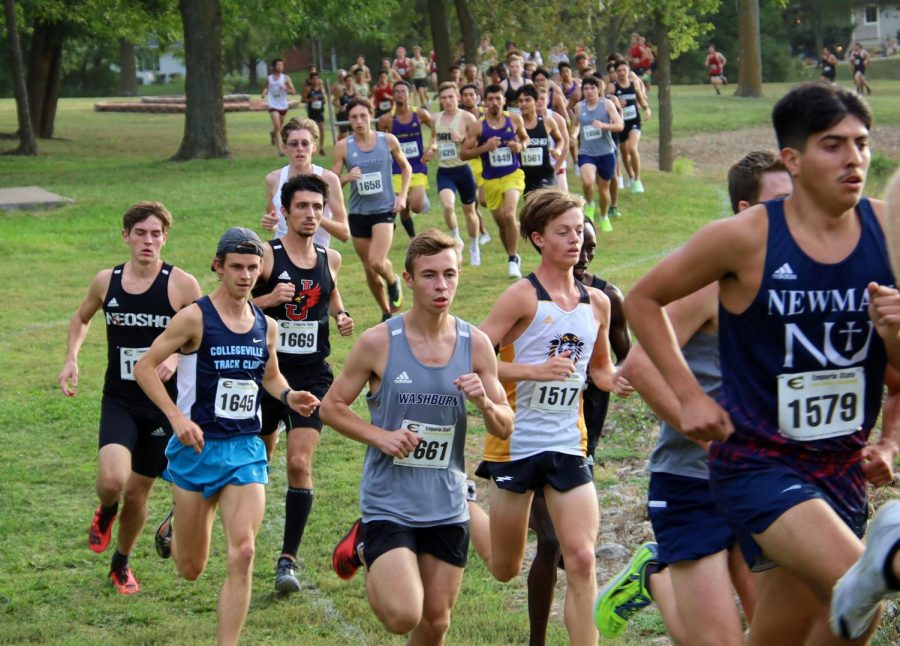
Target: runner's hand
{"type": "Point", "coordinates": [557, 367]}
{"type": "Point", "coordinates": [269, 220]}
{"type": "Point", "coordinates": [399, 203]}
{"type": "Point", "coordinates": [702, 419]}
{"type": "Point", "coordinates": [354, 174]}
{"type": "Point", "coordinates": [303, 402]}
{"type": "Point", "coordinates": [471, 386]}
{"type": "Point", "coordinates": [283, 293]}
{"type": "Point", "coordinates": [884, 310]}
{"type": "Point", "coordinates": [398, 444]}
{"type": "Point", "coordinates": [621, 386]}
{"type": "Point", "coordinates": [187, 432]}
{"type": "Point", "coordinates": [878, 462]}
{"type": "Point", "coordinates": [69, 372]}
{"type": "Point", "coordinates": [167, 368]}
{"type": "Point", "coordinates": [344, 324]}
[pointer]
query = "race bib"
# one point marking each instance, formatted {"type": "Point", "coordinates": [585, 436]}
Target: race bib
{"type": "Point", "coordinates": [297, 337]}
{"type": "Point", "coordinates": [590, 132]}
{"type": "Point", "coordinates": [316, 105]}
{"type": "Point", "coordinates": [501, 157]}
{"type": "Point", "coordinates": [410, 149]}
{"type": "Point", "coordinates": [128, 358]}
{"type": "Point", "coordinates": [447, 150]}
{"type": "Point", "coordinates": [384, 105]}
{"type": "Point", "coordinates": [820, 404]}
{"type": "Point", "coordinates": [629, 112]}
{"type": "Point", "coordinates": [434, 447]}
{"type": "Point", "coordinates": [558, 396]}
{"type": "Point", "coordinates": [369, 184]}
{"type": "Point", "coordinates": [236, 398]}
{"type": "Point", "coordinates": [533, 157]}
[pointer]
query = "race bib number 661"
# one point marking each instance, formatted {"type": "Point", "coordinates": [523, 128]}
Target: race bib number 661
{"type": "Point", "coordinates": [821, 404]}
{"type": "Point", "coordinates": [434, 447]}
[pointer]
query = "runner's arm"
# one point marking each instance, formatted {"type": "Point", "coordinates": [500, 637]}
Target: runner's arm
{"type": "Point", "coordinates": [879, 457]}
{"type": "Point", "coordinates": [336, 303]}
{"type": "Point", "coordinates": [78, 329]}
{"type": "Point", "coordinates": [337, 224]}
{"type": "Point", "coordinates": [619, 338]}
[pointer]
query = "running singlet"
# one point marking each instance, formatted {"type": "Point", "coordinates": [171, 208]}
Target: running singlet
{"type": "Point", "coordinates": [419, 68]}
{"type": "Point", "coordinates": [828, 70]}
{"type": "Point", "coordinates": [133, 321]}
{"type": "Point", "coordinates": [859, 62]}
{"type": "Point", "coordinates": [715, 69]}
{"type": "Point", "coordinates": [410, 137]}
{"type": "Point", "coordinates": [548, 413]}
{"type": "Point", "coordinates": [592, 140]}
{"type": "Point", "coordinates": [322, 237]}
{"type": "Point", "coordinates": [276, 95]}
{"type": "Point", "coordinates": [303, 322]}
{"type": "Point", "coordinates": [427, 487]}
{"type": "Point", "coordinates": [512, 96]}
{"type": "Point", "coordinates": [628, 99]}
{"type": "Point", "coordinates": [814, 386]}
{"type": "Point", "coordinates": [373, 192]}
{"type": "Point", "coordinates": [384, 99]}
{"type": "Point", "coordinates": [448, 150]}
{"type": "Point", "coordinates": [536, 159]}
{"type": "Point", "coordinates": [220, 383]}
{"type": "Point", "coordinates": [402, 67]}
{"type": "Point", "coordinates": [501, 161]}
{"type": "Point", "coordinates": [315, 106]}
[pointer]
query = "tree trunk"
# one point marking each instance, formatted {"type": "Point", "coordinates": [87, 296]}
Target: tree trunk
{"type": "Point", "coordinates": [44, 69]}
{"type": "Point", "coordinates": [663, 79]}
{"type": "Point", "coordinates": [440, 36]}
{"type": "Point", "coordinates": [127, 68]}
{"type": "Point", "coordinates": [204, 119]}
{"type": "Point", "coordinates": [750, 57]}
{"type": "Point", "coordinates": [253, 77]}
{"type": "Point", "coordinates": [27, 143]}
{"type": "Point", "coordinates": [468, 28]}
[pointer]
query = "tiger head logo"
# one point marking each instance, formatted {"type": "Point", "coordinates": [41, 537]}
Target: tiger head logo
{"type": "Point", "coordinates": [567, 342]}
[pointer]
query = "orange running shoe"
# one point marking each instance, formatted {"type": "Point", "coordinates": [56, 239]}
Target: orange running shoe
{"type": "Point", "coordinates": [124, 581]}
{"type": "Point", "coordinates": [344, 558]}
{"type": "Point", "coordinates": [98, 540]}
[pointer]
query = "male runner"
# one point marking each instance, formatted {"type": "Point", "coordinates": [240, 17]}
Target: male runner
{"type": "Point", "coordinates": [299, 137]}
{"type": "Point", "coordinates": [549, 329]}
{"type": "Point", "coordinates": [367, 156]}
{"type": "Point", "coordinates": [420, 370]}
{"type": "Point", "coordinates": [383, 95]}
{"type": "Point", "coordinates": [402, 65]}
{"type": "Point", "coordinates": [801, 399]}
{"type": "Point", "coordinates": [696, 546]}
{"type": "Point", "coordinates": [455, 175]}
{"type": "Point", "coordinates": [562, 124]}
{"type": "Point", "coordinates": [542, 156]}
{"type": "Point", "coordinates": [597, 118]}
{"type": "Point", "coordinates": [419, 76]}
{"type": "Point", "coordinates": [315, 108]}
{"type": "Point", "coordinates": [595, 402]}
{"type": "Point", "coordinates": [514, 82]}
{"type": "Point", "coordinates": [275, 91]}
{"type": "Point", "coordinates": [216, 457]}
{"type": "Point", "coordinates": [298, 289]}
{"type": "Point", "coordinates": [138, 299]}
{"type": "Point", "coordinates": [859, 59]}
{"type": "Point", "coordinates": [498, 139]}
{"type": "Point", "coordinates": [342, 94]}
{"type": "Point", "coordinates": [715, 63]}
{"type": "Point", "coordinates": [405, 123]}
{"type": "Point", "coordinates": [631, 96]}
{"type": "Point", "coordinates": [828, 65]}
{"type": "Point", "coordinates": [470, 101]}
{"type": "Point", "coordinates": [360, 64]}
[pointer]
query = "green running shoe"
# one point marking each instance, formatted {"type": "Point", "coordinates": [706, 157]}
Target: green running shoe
{"type": "Point", "coordinates": [589, 211]}
{"type": "Point", "coordinates": [604, 224]}
{"type": "Point", "coordinates": [614, 212]}
{"type": "Point", "coordinates": [626, 594]}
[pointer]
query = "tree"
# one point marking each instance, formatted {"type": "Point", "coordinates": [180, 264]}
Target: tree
{"type": "Point", "coordinates": [204, 120]}
{"type": "Point", "coordinates": [750, 58]}
{"type": "Point", "coordinates": [440, 36]}
{"type": "Point", "coordinates": [27, 143]}
{"type": "Point", "coordinates": [44, 68]}
{"type": "Point", "coordinates": [468, 28]}
{"type": "Point", "coordinates": [127, 70]}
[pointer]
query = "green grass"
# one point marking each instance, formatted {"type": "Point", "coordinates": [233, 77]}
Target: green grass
{"type": "Point", "coordinates": [53, 589]}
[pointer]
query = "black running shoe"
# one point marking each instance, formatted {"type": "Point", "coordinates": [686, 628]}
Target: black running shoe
{"type": "Point", "coordinates": [285, 580]}
{"type": "Point", "coordinates": [163, 537]}
{"type": "Point", "coordinates": [395, 295]}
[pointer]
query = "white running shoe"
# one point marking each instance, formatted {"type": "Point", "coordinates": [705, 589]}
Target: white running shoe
{"type": "Point", "coordinates": [856, 596]}
{"type": "Point", "coordinates": [621, 181]}
{"type": "Point", "coordinates": [515, 268]}
{"type": "Point", "coordinates": [426, 206]}
{"type": "Point", "coordinates": [637, 186]}
{"type": "Point", "coordinates": [627, 182]}
{"type": "Point", "coordinates": [474, 253]}
{"type": "Point", "coordinates": [484, 238]}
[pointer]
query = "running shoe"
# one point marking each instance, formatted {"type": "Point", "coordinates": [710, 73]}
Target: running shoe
{"type": "Point", "coordinates": [98, 540]}
{"type": "Point", "coordinates": [857, 595]}
{"type": "Point", "coordinates": [345, 558]}
{"type": "Point", "coordinates": [285, 580]}
{"type": "Point", "coordinates": [614, 212]}
{"type": "Point", "coordinates": [124, 582]}
{"type": "Point", "coordinates": [628, 182]}
{"type": "Point", "coordinates": [426, 206]}
{"type": "Point", "coordinates": [395, 295]}
{"type": "Point", "coordinates": [484, 238]}
{"type": "Point", "coordinates": [514, 268]}
{"type": "Point", "coordinates": [626, 594]}
{"type": "Point", "coordinates": [163, 536]}
{"type": "Point", "coordinates": [620, 181]}
{"type": "Point", "coordinates": [589, 211]}
{"type": "Point", "coordinates": [474, 254]}
{"type": "Point", "coordinates": [385, 316]}
{"type": "Point", "coordinates": [471, 492]}
{"type": "Point", "coordinates": [637, 186]}
{"type": "Point", "coordinates": [604, 224]}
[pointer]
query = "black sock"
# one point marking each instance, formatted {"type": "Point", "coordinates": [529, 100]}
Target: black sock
{"type": "Point", "coordinates": [892, 581]}
{"type": "Point", "coordinates": [409, 226]}
{"type": "Point", "coordinates": [513, 258]}
{"type": "Point", "coordinates": [297, 504]}
{"type": "Point", "coordinates": [107, 514]}
{"type": "Point", "coordinates": [119, 562]}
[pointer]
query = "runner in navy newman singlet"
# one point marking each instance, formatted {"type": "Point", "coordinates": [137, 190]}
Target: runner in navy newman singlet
{"type": "Point", "coordinates": [138, 299]}
{"type": "Point", "coordinates": [803, 367]}
{"type": "Point", "coordinates": [216, 456]}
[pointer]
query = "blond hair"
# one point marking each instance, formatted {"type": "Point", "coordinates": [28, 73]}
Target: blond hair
{"type": "Point", "coordinates": [299, 123]}
{"type": "Point", "coordinates": [542, 206]}
{"type": "Point", "coordinates": [427, 243]}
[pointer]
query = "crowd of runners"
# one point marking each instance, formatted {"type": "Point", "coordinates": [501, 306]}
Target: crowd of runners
{"type": "Point", "coordinates": [764, 344]}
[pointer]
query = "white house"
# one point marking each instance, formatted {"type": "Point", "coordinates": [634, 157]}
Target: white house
{"type": "Point", "coordinates": [876, 26]}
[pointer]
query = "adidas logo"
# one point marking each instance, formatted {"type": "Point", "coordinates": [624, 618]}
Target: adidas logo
{"type": "Point", "coordinates": [784, 273]}
{"type": "Point", "coordinates": [402, 378]}
{"type": "Point", "coordinates": [158, 432]}
{"type": "Point", "coordinates": [548, 319]}
{"type": "Point", "coordinates": [113, 303]}
{"type": "Point", "coordinates": [284, 275]}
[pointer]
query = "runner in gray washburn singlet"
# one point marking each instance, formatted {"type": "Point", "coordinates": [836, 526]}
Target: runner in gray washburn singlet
{"type": "Point", "coordinates": [373, 192]}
